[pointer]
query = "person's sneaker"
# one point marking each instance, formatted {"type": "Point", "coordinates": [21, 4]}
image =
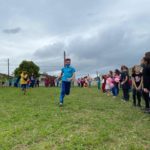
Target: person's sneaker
{"type": "Point", "coordinates": [61, 104]}
{"type": "Point", "coordinates": [124, 100]}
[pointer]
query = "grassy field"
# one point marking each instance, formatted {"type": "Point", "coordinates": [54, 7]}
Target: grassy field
{"type": "Point", "coordinates": [88, 121]}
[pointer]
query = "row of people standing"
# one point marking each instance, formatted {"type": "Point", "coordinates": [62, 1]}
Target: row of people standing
{"type": "Point", "coordinates": [141, 83]}
{"type": "Point", "coordinates": [84, 81]}
{"type": "Point", "coordinates": [110, 82]}
{"type": "Point", "coordinates": [30, 81]}
{"type": "Point", "coordinates": [138, 83]}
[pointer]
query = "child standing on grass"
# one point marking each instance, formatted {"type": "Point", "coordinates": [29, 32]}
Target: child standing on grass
{"type": "Point", "coordinates": [103, 83]}
{"type": "Point", "coordinates": [23, 81]}
{"type": "Point", "coordinates": [98, 79]}
{"type": "Point", "coordinates": [89, 79]}
{"type": "Point", "coordinates": [109, 84]}
{"type": "Point", "coordinates": [79, 82]}
{"type": "Point", "coordinates": [125, 82]}
{"type": "Point", "coordinates": [32, 80]}
{"type": "Point", "coordinates": [137, 85]}
{"type": "Point", "coordinates": [146, 81]}
{"type": "Point", "coordinates": [116, 80]}
{"type": "Point", "coordinates": [67, 75]}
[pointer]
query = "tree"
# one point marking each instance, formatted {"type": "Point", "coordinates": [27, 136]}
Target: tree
{"type": "Point", "coordinates": [28, 66]}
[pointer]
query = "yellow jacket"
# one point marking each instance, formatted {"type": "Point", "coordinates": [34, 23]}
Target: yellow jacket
{"type": "Point", "coordinates": [23, 79]}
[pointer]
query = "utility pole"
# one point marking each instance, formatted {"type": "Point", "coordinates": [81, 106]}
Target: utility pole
{"type": "Point", "coordinates": [8, 68]}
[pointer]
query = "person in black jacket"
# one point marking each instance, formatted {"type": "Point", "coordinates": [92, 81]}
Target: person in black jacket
{"type": "Point", "coordinates": [146, 81]}
{"type": "Point", "coordinates": [125, 82]}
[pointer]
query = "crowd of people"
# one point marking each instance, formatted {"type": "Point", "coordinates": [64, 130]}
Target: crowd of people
{"type": "Point", "coordinates": [24, 78]}
{"type": "Point", "coordinates": [27, 81]}
{"type": "Point", "coordinates": [49, 81]}
{"type": "Point", "coordinates": [136, 81]}
{"type": "Point", "coordinates": [84, 81]}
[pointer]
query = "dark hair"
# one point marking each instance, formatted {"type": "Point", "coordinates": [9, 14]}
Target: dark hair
{"type": "Point", "coordinates": [117, 71]}
{"type": "Point", "coordinates": [127, 68]}
{"type": "Point", "coordinates": [147, 54]}
{"type": "Point", "coordinates": [111, 73]}
{"type": "Point", "coordinates": [147, 60]}
{"type": "Point", "coordinates": [124, 67]}
{"type": "Point", "coordinates": [67, 59]}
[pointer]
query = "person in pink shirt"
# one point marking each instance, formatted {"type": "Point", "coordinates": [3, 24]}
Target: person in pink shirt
{"type": "Point", "coordinates": [109, 84]}
{"type": "Point", "coordinates": [116, 80]}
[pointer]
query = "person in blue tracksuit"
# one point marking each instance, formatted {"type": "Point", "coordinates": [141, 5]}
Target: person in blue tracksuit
{"type": "Point", "coordinates": [67, 75]}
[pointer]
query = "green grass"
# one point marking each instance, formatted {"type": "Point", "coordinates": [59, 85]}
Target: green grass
{"type": "Point", "coordinates": [88, 121]}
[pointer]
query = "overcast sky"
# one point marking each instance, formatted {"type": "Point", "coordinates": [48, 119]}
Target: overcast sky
{"type": "Point", "coordinates": [98, 35]}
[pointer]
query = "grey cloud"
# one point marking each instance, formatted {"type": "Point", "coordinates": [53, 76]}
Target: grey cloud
{"type": "Point", "coordinates": [118, 31]}
{"type": "Point", "coordinates": [58, 17]}
{"type": "Point", "coordinates": [51, 51]}
{"type": "Point", "coordinates": [50, 57]}
{"type": "Point", "coordinates": [111, 48]}
{"type": "Point", "coordinates": [12, 31]}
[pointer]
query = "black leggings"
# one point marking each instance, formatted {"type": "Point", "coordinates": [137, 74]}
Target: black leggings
{"type": "Point", "coordinates": [137, 94]}
{"type": "Point", "coordinates": [125, 94]}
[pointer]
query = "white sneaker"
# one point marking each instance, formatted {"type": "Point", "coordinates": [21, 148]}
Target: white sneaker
{"type": "Point", "coordinates": [61, 104]}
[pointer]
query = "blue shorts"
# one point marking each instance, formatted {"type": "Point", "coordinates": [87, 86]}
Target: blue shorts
{"type": "Point", "coordinates": [23, 86]}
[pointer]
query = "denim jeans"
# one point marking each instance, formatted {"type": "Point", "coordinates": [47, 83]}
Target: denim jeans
{"type": "Point", "coordinates": [115, 91]}
{"type": "Point", "coordinates": [65, 90]}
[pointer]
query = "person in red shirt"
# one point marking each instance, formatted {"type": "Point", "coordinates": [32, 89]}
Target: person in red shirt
{"type": "Point", "coordinates": [103, 83]}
